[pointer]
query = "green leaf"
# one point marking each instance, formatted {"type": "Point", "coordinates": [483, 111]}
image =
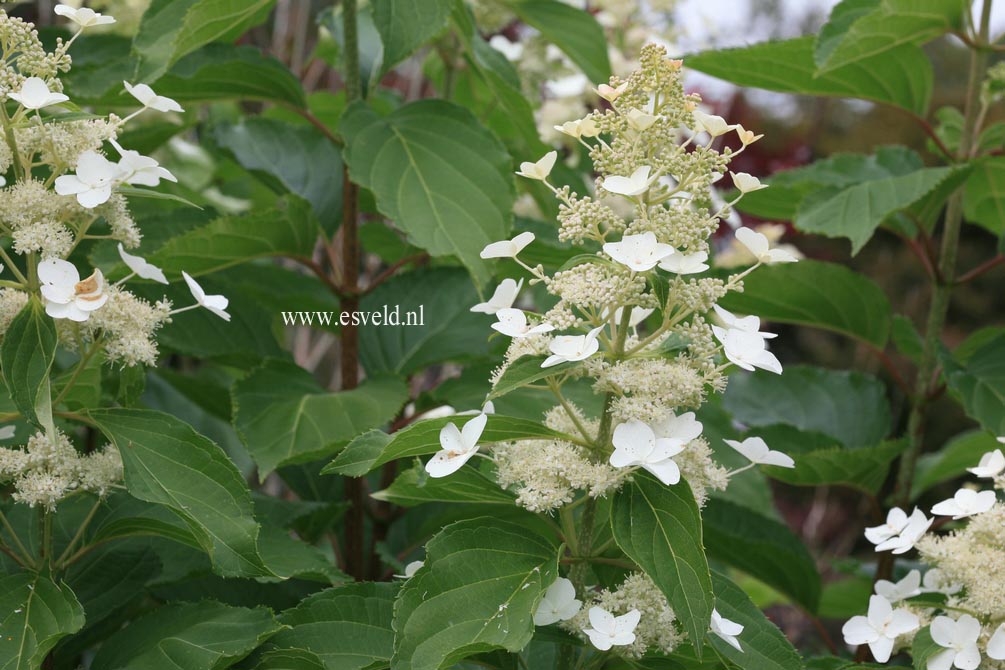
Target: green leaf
{"type": "Point", "coordinates": [440, 299]}
{"type": "Point", "coordinates": [373, 449]}
{"type": "Point", "coordinates": [467, 485]}
{"type": "Point", "coordinates": [283, 416]}
{"type": "Point", "coordinates": [923, 648]}
{"type": "Point", "coordinates": [856, 212]}
{"type": "Point", "coordinates": [764, 646]}
{"type": "Point", "coordinates": [763, 548]}
{"type": "Point", "coordinates": [574, 31]}
{"type": "Point", "coordinates": [133, 192]}
{"type": "Point", "coordinates": [979, 384]}
{"type": "Point", "coordinates": [195, 636]}
{"type": "Point", "coordinates": [220, 72]}
{"type": "Point", "coordinates": [437, 173]}
{"type": "Point", "coordinates": [818, 294]}
{"type": "Point", "coordinates": [168, 463]}
{"type": "Point", "coordinates": [527, 370]}
{"type": "Point", "coordinates": [477, 591]}
{"type": "Point", "coordinates": [348, 627]}
{"type": "Point", "coordinates": [864, 34]}
{"type": "Point", "coordinates": [850, 407]}
{"type": "Point", "coordinates": [405, 25]}
{"type": "Point", "coordinates": [952, 460]}
{"type": "Point", "coordinates": [26, 356]}
{"type": "Point", "coordinates": [901, 77]}
{"type": "Point", "coordinates": [289, 229]}
{"type": "Point", "coordinates": [659, 527]}
{"type": "Point", "coordinates": [37, 613]}
{"type": "Point", "coordinates": [290, 659]}
{"type": "Point", "coordinates": [288, 557]}
{"type": "Point", "coordinates": [984, 195]}
{"type": "Point", "coordinates": [299, 157]}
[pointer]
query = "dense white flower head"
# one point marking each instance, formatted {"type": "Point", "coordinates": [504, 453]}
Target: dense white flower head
{"type": "Point", "coordinates": [513, 323]}
{"type": "Point", "coordinates": [566, 348]}
{"type": "Point", "coordinates": [217, 304]}
{"type": "Point", "coordinates": [141, 268]}
{"type": "Point", "coordinates": [82, 16]}
{"type": "Point", "coordinates": [759, 246]}
{"type": "Point", "coordinates": [610, 631]}
{"type": "Point", "coordinates": [539, 170]}
{"type": "Point", "coordinates": [755, 450]}
{"type": "Point", "coordinates": [639, 253]}
{"type": "Point", "coordinates": [503, 297]}
{"type": "Point", "coordinates": [35, 94]}
{"type": "Point", "coordinates": [559, 603]}
{"type": "Point", "coordinates": [881, 628]}
{"type": "Point", "coordinates": [726, 629]}
{"type": "Point", "coordinates": [65, 295]}
{"type": "Point", "coordinates": [636, 444]}
{"type": "Point", "coordinates": [959, 638]}
{"type": "Point", "coordinates": [637, 183]}
{"type": "Point", "coordinates": [456, 447]}
{"type": "Point", "coordinates": [507, 248]}
{"type": "Point", "coordinates": [150, 100]}
{"type": "Point", "coordinates": [966, 502]}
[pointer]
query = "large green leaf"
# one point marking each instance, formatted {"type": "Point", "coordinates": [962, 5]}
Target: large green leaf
{"type": "Point", "coordinates": [764, 646]}
{"type": "Point", "coordinates": [952, 460]}
{"type": "Point", "coordinates": [979, 383]}
{"type": "Point", "coordinates": [284, 416]}
{"type": "Point", "coordinates": [659, 527]}
{"type": "Point", "coordinates": [437, 173]}
{"type": "Point", "coordinates": [348, 627]}
{"type": "Point", "coordinates": [441, 300]}
{"type": "Point", "coordinates": [856, 212]}
{"type": "Point", "coordinates": [373, 449]}
{"type": "Point", "coordinates": [814, 293]}
{"type": "Point", "coordinates": [168, 463]}
{"type": "Point", "coordinates": [869, 32]}
{"type": "Point", "coordinates": [26, 356]}
{"type": "Point", "coordinates": [477, 591]}
{"type": "Point", "coordinates": [763, 548]}
{"type": "Point", "coordinates": [467, 485]}
{"type": "Point", "coordinates": [288, 229]}
{"type": "Point", "coordinates": [290, 659]}
{"type": "Point", "coordinates": [299, 157]}
{"type": "Point", "coordinates": [37, 613]}
{"type": "Point", "coordinates": [901, 77]}
{"type": "Point", "coordinates": [984, 195]}
{"type": "Point", "coordinates": [404, 25]}
{"type": "Point", "coordinates": [195, 636]}
{"type": "Point", "coordinates": [574, 31]}
{"type": "Point", "coordinates": [851, 407]}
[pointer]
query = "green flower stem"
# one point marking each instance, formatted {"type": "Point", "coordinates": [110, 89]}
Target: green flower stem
{"type": "Point", "coordinates": [8, 129]}
{"type": "Point", "coordinates": [60, 562]}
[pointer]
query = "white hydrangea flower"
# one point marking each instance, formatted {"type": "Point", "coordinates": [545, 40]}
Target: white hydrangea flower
{"type": "Point", "coordinates": [457, 447]}
{"type": "Point", "coordinates": [992, 464]}
{"type": "Point", "coordinates": [65, 295]}
{"type": "Point", "coordinates": [82, 16]}
{"type": "Point", "coordinates": [559, 603]}
{"type": "Point", "coordinates": [959, 637]}
{"type": "Point", "coordinates": [746, 136]}
{"type": "Point", "coordinates": [539, 170]}
{"type": "Point", "coordinates": [93, 181]}
{"type": "Point", "coordinates": [747, 324]}
{"type": "Point", "coordinates": [579, 128]}
{"type": "Point", "coordinates": [747, 350]}
{"type": "Point", "coordinates": [900, 532]}
{"type": "Point", "coordinates": [572, 86]}
{"type": "Point", "coordinates": [150, 100]}
{"type": "Point", "coordinates": [513, 323]}
{"type": "Point", "coordinates": [880, 628]}
{"type": "Point", "coordinates": [684, 427]}
{"type": "Point", "coordinates": [639, 253]}
{"type": "Point", "coordinates": [755, 450]}
{"type": "Point", "coordinates": [710, 123]}
{"type": "Point", "coordinates": [758, 245]}
{"type": "Point", "coordinates": [35, 94]}
{"type": "Point", "coordinates": [141, 268]}
{"type": "Point", "coordinates": [566, 348]}
{"type": "Point", "coordinates": [996, 645]}
{"type": "Point", "coordinates": [908, 587]}
{"type": "Point", "coordinates": [511, 50]}
{"type": "Point", "coordinates": [636, 444]}
{"type": "Point", "coordinates": [966, 502]}
{"type": "Point", "coordinates": [746, 183]}
{"type": "Point", "coordinates": [217, 304]}
{"type": "Point", "coordinates": [503, 297]}
{"type": "Point", "coordinates": [635, 184]}
{"type": "Point", "coordinates": [135, 168]}
{"type": "Point", "coordinates": [611, 631]}
{"type": "Point", "coordinates": [726, 629]}
{"type": "Point", "coordinates": [685, 264]}
{"type": "Point", "coordinates": [896, 521]}
{"type": "Point", "coordinates": [641, 121]}
{"type": "Point", "coordinates": [610, 93]}
{"type": "Point", "coordinates": [411, 569]}
{"type": "Point", "coordinates": [507, 248]}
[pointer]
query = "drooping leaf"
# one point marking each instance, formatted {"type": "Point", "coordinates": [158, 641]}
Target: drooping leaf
{"type": "Point", "coordinates": [477, 591]}
{"type": "Point", "coordinates": [438, 327]}
{"type": "Point", "coordinates": [818, 294]}
{"type": "Point", "coordinates": [347, 627]}
{"type": "Point", "coordinates": [437, 173]}
{"type": "Point", "coordinates": [467, 485]}
{"type": "Point", "coordinates": [659, 527]}
{"type": "Point", "coordinates": [168, 463]}
{"type": "Point", "coordinates": [373, 449]}
{"type": "Point", "coordinates": [850, 407]}
{"type": "Point", "coordinates": [37, 613]}
{"type": "Point", "coordinates": [763, 548]}
{"type": "Point", "coordinates": [901, 77]}
{"type": "Point", "coordinates": [26, 356]}
{"type": "Point", "coordinates": [764, 646]}
{"type": "Point", "coordinates": [195, 636]}
{"type": "Point", "coordinates": [299, 157]}
{"type": "Point", "coordinates": [404, 25]}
